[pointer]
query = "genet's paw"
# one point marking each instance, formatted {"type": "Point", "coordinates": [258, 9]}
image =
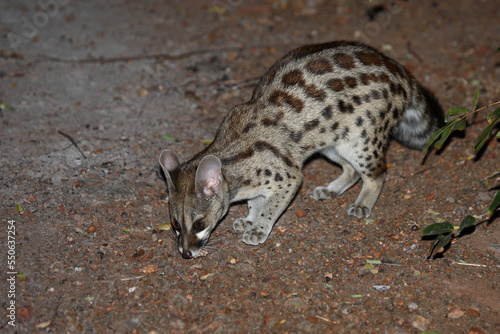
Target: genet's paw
{"type": "Point", "coordinates": [242, 224]}
{"type": "Point", "coordinates": [358, 211]}
{"type": "Point", "coordinates": [255, 236]}
{"type": "Point", "coordinates": [321, 193]}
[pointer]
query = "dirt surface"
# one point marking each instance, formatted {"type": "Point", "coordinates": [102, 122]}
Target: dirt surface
{"type": "Point", "coordinates": [126, 79]}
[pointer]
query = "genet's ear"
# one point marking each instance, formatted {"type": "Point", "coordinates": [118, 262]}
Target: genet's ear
{"type": "Point", "coordinates": [169, 161]}
{"type": "Point", "coordinates": [208, 179]}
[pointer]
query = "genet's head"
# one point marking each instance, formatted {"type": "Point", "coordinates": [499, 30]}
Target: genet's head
{"type": "Point", "coordinates": [198, 197]}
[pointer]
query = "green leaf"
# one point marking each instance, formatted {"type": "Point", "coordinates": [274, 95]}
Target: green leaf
{"type": "Point", "coordinates": [167, 137]}
{"type": "Point", "coordinates": [206, 141]}
{"type": "Point", "coordinates": [495, 204]}
{"type": "Point", "coordinates": [438, 243]}
{"type": "Point", "coordinates": [491, 116]}
{"type": "Point", "coordinates": [484, 136]}
{"type": "Point", "coordinates": [216, 9]}
{"type": "Point", "coordinates": [476, 98]}
{"type": "Point", "coordinates": [6, 106]}
{"type": "Point", "coordinates": [374, 261]}
{"type": "Point", "coordinates": [356, 296]}
{"type": "Point", "coordinates": [498, 50]}
{"type": "Point", "coordinates": [467, 222]}
{"type": "Point", "coordinates": [494, 176]}
{"type": "Point", "coordinates": [438, 228]}
{"type": "Point", "coordinates": [19, 208]}
{"type": "Point", "coordinates": [456, 111]}
{"type": "Point", "coordinates": [433, 138]}
{"type": "Point", "coordinates": [460, 125]}
{"type": "Point", "coordinates": [446, 133]}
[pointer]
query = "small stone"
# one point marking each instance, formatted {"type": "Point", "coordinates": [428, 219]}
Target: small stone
{"type": "Point", "coordinates": [406, 196]}
{"type": "Point", "coordinates": [232, 261]}
{"type": "Point", "coordinates": [150, 269]}
{"type": "Point", "coordinates": [142, 92]}
{"type": "Point", "coordinates": [412, 306]}
{"type": "Point", "coordinates": [450, 200]}
{"type": "Point", "coordinates": [473, 313]}
{"type": "Point", "coordinates": [24, 313]}
{"type": "Point", "coordinates": [301, 213]}
{"type": "Point", "coordinates": [204, 277]}
{"type": "Point", "coordinates": [456, 314]}
{"type": "Point", "coordinates": [420, 323]}
{"type": "Point", "coordinates": [264, 293]}
{"type": "Point", "coordinates": [91, 229]}
{"type": "Point", "coordinates": [483, 197]}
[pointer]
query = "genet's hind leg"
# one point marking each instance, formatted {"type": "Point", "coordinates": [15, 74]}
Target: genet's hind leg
{"type": "Point", "coordinates": [345, 181]}
{"type": "Point", "coordinates": [372, 185]}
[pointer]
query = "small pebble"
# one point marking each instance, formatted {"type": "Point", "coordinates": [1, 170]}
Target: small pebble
{"type": "Point", "coordinates": [420, 323]}
{"type": "Point", "coordinates": [91, 229]}
{"type": "Point", "coordinates": [264, 293]}
{"type": "Point", "coordinates": [483, 197]}
{"type": "Point", "coordinates": [301, 213]}
{"type": "Point", "coordinates": [474, 313]}
{"type": "Point", "coordinates": [456, 314]}
{"type": "Point", "coordinates": [412, 306]}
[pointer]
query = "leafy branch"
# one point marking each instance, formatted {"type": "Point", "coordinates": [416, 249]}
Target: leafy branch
{"type": "Point", "coordinates": [439, 137]}
{"type": "Point", "coordinates": [445, 232]}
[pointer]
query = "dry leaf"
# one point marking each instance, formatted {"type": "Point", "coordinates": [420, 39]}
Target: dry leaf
{"type": "Point", "coordinates": [150, 269]}
{"type": "Point", "coordinates": [43, 324]}
{"type": "Point", "coordinates": [204, 277]}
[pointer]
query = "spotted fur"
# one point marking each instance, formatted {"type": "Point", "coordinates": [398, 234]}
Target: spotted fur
{"type": "Point", "coordinates": [344, 100]}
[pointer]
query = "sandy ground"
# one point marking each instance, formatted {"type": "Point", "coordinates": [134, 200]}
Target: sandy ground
{"type": "Point", "coordinates": [126, 79]}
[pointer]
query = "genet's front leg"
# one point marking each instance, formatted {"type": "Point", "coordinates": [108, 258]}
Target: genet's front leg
{"type": "Point", "coordinates": [271, 209]}
{"type": "Point", "coordinates": [254, 208]}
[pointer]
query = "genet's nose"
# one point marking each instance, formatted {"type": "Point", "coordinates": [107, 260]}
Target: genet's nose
{"type": "Point", "coordinates": [187, 254]}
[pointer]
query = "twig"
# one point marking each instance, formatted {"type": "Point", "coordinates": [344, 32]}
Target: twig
{"type": "Point", "coordinates": [410, 50]}
{"type": "Point", "coordinates": [485, 107]}
{"type": "Point", "coordinates": [423, 170]}
{"type": "Point", "coordinates": [178, 273]}
{"type": "Point", "coordinates": [392, 264]}
{"type": "Point", "coordinates": [233, 84]}
{"type": "Point", "coordinates": [132, 278]}
{"type": "Point", "coordinates": [159, 56]}
{"type": "Point", "coordinates": [324, 319]}
{"type": "Point", "coordinates": [72, 142]}
{"type": "Point", "coordinates": [55, 311]}
{"type": "Point", "coordinates": [470, 264]}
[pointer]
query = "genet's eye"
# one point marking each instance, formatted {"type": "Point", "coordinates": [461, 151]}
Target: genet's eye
{"type": "Point", "coordinates": [175, 225]}
{"type": "Point", "coordinates": [199, 225]}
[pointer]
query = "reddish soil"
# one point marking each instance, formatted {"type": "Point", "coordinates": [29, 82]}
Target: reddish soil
{"type": "Point", "coordinates": [127, 79]}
